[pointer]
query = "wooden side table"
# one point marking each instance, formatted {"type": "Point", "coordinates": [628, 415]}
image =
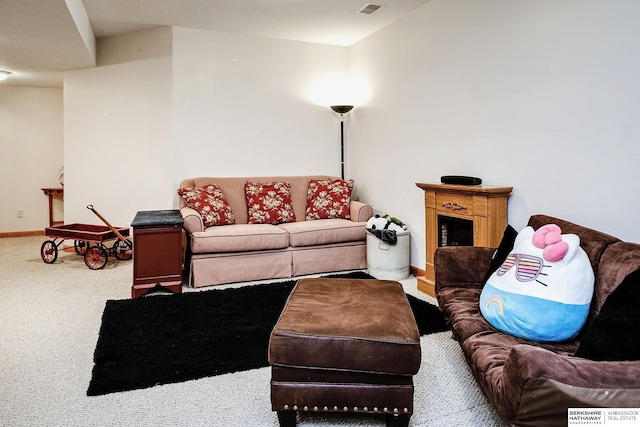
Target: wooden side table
{"type": "Point", "coordinates": [52, 192]}
{"type": "Point", "coordinates": [157, 252]}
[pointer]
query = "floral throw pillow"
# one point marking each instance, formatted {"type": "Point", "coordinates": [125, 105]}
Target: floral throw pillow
{"type": "Point", "coordinates": [210, 204]}
{"type": "Point", "coordinates": [329, 199]}
{"type": "Point", "coordinates": [269, 202]}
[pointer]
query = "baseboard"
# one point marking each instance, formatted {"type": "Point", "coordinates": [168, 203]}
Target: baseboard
{"type": "Point", "coordinates": [417, 271]}
{"type": "Point", "coordinates": [22, 233]}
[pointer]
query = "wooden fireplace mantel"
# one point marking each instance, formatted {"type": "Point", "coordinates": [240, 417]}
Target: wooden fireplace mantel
{"type": "Point", "coordinates": [485, 205]}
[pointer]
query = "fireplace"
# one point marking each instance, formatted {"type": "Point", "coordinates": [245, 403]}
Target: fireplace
{"type": "Point", "coordinates": [460, 215]}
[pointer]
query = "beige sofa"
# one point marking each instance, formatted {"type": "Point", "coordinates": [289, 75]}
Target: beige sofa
{"type": "Point", "coordinates": [241, 252]}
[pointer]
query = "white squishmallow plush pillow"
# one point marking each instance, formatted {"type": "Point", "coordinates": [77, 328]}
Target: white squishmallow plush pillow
{"type": "Point", "coordinates": [543, 290]}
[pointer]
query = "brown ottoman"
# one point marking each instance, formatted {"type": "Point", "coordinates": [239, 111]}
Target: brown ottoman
{"type": "Point", "coordinates": [344, 345]}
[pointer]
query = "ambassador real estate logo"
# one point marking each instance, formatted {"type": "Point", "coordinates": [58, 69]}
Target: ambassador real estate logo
{"type": "Point", "coordinates": [603, 416]}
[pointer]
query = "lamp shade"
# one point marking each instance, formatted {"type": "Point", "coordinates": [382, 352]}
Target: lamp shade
{"type": "Point", "coordinates": [4, 74]}
{"type": "Point", "coordinates": [342, 109]}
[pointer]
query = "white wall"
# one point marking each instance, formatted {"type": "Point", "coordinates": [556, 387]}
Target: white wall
{"type": "Point", "coordinates": [117, 122]}
{"type": "Point", "coordinates": [242, 107]}
{"type": "Point", "coordinates": [173, 103]}
{"type": "Point", "coordinates": [31, 155]}
{"type": "Point", "coordinates": [543, 96]}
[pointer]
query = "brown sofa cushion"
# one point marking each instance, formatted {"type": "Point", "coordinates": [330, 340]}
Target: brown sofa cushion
{"type": "Point", "coordinates": [239, 238]}
{"type": "Point", "coordinates": [614, 334]}
{"type": "Point", "coordinates": [503, 251]}
{"type": "Point", "coordinates": [619, 260]}
{"type": "Point", "coordinates": [324, 231]}
{"type": "Point", "coordinates": [347, 324]}
{"type": "Point", "coordinates": [593, 242]}
{"type": "Point", "coordinates": [460, 307]}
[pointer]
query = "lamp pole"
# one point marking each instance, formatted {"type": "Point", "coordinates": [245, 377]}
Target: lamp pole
{"type": "Point", "coordinates": [342, 110]}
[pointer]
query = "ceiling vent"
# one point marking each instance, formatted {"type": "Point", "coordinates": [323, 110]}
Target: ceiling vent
{"type": "Point", "coordinates": [369, 8]}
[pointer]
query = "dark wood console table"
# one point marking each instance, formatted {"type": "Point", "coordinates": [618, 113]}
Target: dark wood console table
{"type": "Point", "coordinates": [157, 252]}
{"type": "Point", "coordinates": [482, 208]}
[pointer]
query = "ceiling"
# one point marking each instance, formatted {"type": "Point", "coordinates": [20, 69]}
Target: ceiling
{"type": "Point", "coordinates": [39, 40]}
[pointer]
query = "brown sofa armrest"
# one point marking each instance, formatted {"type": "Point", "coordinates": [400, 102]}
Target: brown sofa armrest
{"type": "Point", "coordinates": [192, 220]}
{"type": "Point", "coordinates": [547, 383]}
{"type": "Point", "coordinates": [527, 362]}
{"type": "Point", "coordinates": [360, 212]}
{"type": "Point", "coordinates": [461, 266]}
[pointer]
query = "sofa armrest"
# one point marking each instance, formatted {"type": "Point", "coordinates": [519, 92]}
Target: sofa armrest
{"type": "Point", "coordinates": [461, 266]}
{"type": "Point", "coordinates": [360, 212]}
{"type": "Point", "coordinates": [526, 362]}
{"type": "Point", "coordinates": [539, 375]}
{"type": "Point", "coordinates": [192, 220]}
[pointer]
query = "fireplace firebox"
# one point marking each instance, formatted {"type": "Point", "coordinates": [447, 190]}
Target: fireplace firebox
{"type": "Point", "coordinates": [454, 231]}
{"type": "Point", "coordinates": [460, 215]}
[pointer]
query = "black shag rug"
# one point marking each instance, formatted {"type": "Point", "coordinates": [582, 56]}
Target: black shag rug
{"type": "Point", "coordinates": [168, 339]}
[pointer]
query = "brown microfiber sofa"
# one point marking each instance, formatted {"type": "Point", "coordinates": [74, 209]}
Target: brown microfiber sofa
{"type": "Point", "coordinates": [242, 252]}
{"type": "Point", "coordinates": [529, 383]}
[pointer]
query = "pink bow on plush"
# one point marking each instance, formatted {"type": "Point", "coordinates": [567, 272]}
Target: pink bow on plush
{"type": "Point", "coordinates": [549, 239]}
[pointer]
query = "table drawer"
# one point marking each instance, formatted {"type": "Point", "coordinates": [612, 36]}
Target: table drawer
{"type": "Point", "coordinates": [454, 203]}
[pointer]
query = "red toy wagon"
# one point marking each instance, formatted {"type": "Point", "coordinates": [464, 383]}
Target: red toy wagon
{"type": "Point", "coordinates": [96, 256]}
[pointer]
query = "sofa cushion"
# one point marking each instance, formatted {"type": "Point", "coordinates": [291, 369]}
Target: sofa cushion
{"type": "Point", "coordinates": [210, 204]}
{"type": "Point", "coordinates": [593, 242]}
{"type": "Point", "coordinates": [239, 238]}
{"type": "Point", "coordinates": [615, 333]}
{"type": "Point", "coordinates": [503, 251]}
{"type": "Point", "coordinates": [617, 262]}
{"type": "Point", "coordinates": [329, 199]}
{"type": "Point", "coordinates": [460, 307]}
{"type": "Point", "coordinates": [233, 189]}
{"type": "Point", "coordinates": [322, 232]}
{"type": "Point", "coordinates": [269, 202]}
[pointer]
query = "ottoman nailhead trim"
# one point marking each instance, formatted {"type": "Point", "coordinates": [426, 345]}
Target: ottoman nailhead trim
{"type": "Point", "coordinates": [346, 409]}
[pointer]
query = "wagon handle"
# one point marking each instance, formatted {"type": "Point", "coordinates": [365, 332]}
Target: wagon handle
{"type": "Point", "coordinates": [111, 227]}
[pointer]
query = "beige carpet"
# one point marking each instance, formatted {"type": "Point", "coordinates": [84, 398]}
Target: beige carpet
{"type": "Point", "coordinates": [49, 321]}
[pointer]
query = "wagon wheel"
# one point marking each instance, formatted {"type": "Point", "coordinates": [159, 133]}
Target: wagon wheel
{"type": "Point", "coordinates": [80, 246]}
{"type": "Point", "coordinates": [96, 257]}
{"type": "Point", "coordinates": [49, 252]}
{"type": "Point", "coordinates": [122, 250]}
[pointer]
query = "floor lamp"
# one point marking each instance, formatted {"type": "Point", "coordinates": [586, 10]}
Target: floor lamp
{"type": "Point", "coordinates": [342, 110]}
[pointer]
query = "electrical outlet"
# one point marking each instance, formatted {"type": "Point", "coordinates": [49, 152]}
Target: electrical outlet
{"type": "Point", "coordinates": [20, 213]}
